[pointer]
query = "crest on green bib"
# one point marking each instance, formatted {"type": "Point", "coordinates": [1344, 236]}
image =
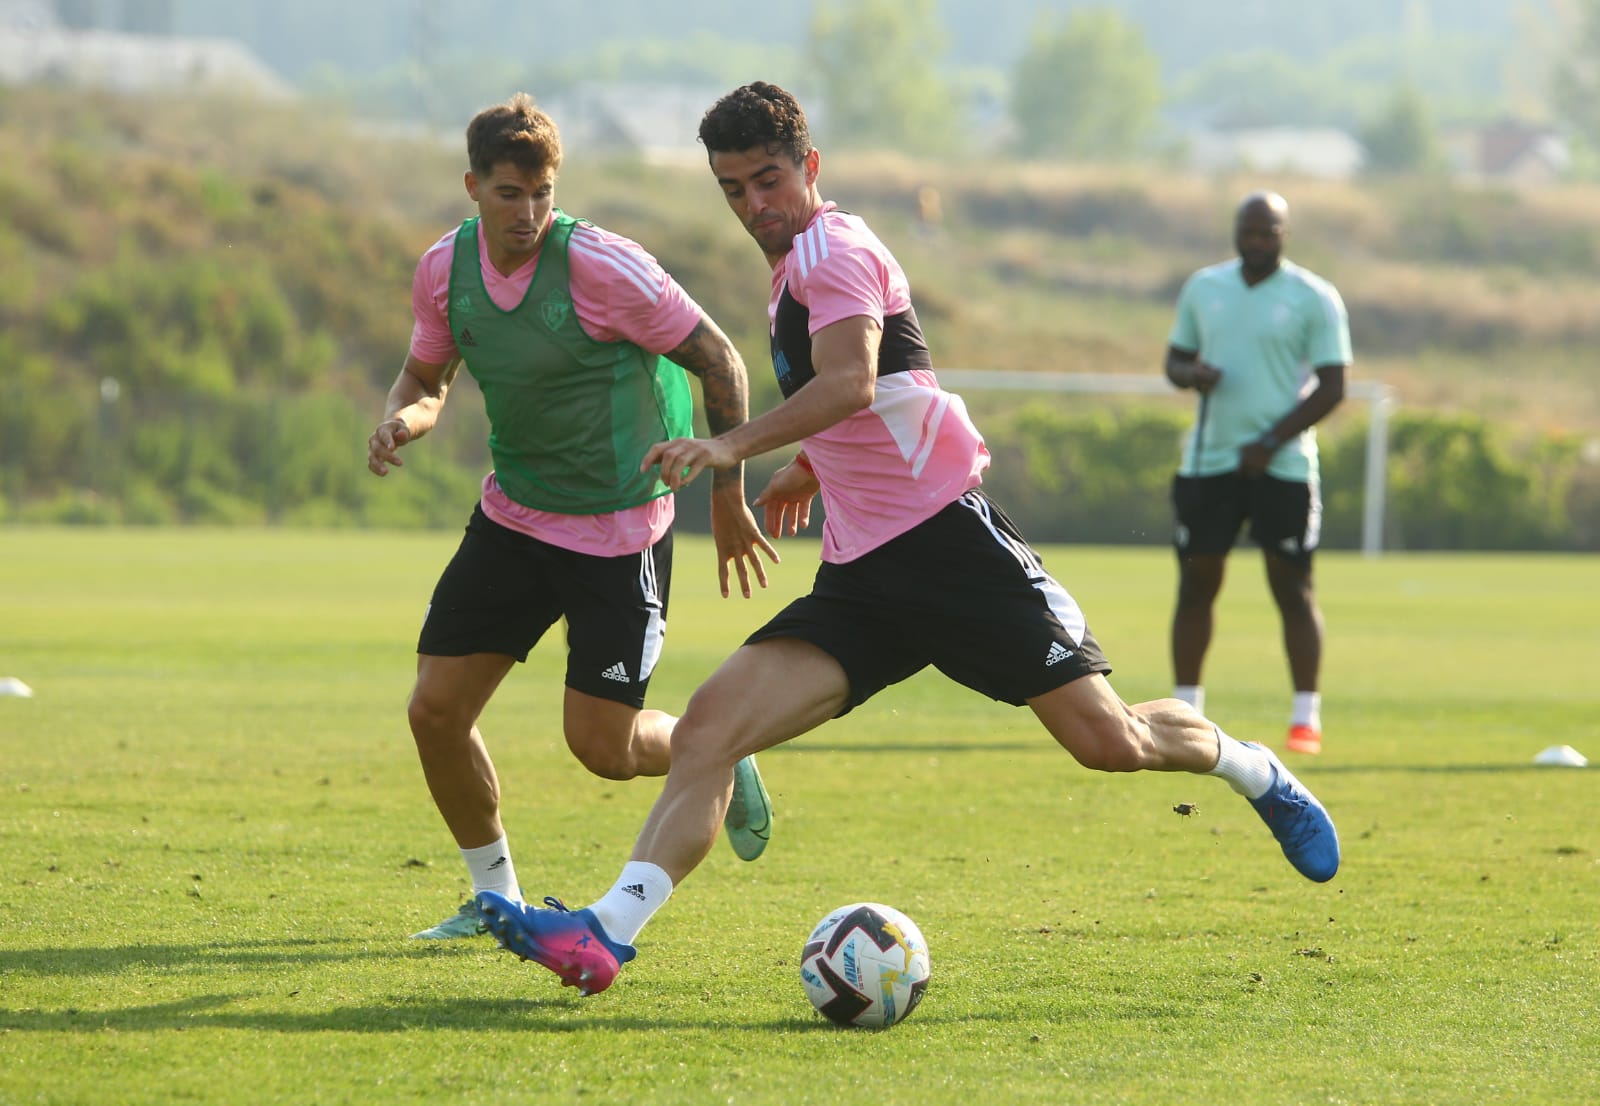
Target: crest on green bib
{"type": "Point", "coordinates": [555, 311]}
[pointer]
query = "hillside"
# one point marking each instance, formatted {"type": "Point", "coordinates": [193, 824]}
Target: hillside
{"type": "Point", "coordinates": [242, 274]}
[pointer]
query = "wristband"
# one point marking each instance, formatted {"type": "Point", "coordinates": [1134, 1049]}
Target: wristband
{"type": "Point", "coordinates": [1269, 442]}
{"type": "Point", "coordinates": [800, 459]}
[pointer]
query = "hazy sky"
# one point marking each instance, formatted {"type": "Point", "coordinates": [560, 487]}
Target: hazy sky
{"type": "Point", "coordinates": [295, 36]}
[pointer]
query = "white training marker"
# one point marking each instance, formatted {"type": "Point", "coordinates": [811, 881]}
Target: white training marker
{"type": "Point", "coordinates": [1564, 756]}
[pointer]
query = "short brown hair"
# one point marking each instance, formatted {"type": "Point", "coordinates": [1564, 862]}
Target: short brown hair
{"type": "Point", "coordinates": [515, 131]}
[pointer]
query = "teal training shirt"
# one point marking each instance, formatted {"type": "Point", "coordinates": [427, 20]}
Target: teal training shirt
{"type": "Point", "coordinates": [1267, 339]}
{"type": "Point", "coordinates": [570, 417]}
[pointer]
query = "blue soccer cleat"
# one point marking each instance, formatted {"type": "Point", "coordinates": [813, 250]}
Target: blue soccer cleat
{"type": "Point", "coordinates": [568, 942]}
{"type": "Point", "coordinates": [1299, 822]}
{"type": "Point", "coordinates": [748, 822]}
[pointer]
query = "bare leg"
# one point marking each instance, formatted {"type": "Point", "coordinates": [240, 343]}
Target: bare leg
{"type": "Point", "coordinates": [1090, 721]}
{"type": "Point", "coordinates": [450, 694]}
{"type": "Point", "coordinates": [1292, 589]}
{"type": "Point", "coordinates": [764, 694]}
{"type": "Point", "coordinates": [1168, 735]}
{"type": "Point", "coordinates": [1199, 583]}
{"type": "Point", "coordinates": [616, 741]}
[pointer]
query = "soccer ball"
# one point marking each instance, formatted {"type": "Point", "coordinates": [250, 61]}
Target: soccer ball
{"type": "Point", "coordinates": [865, 964]}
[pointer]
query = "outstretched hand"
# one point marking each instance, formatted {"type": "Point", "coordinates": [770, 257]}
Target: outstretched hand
{"type": "Point", "coordinates": [390, 435]}
{"type": "Point", "coordinates": [733, 527]}
{"type": "Point", "coordinates": [738, 538]}
{"type": "Point", "coordinates": [787, 499]}
{"type": "Point", "coordinates": [682, 459]}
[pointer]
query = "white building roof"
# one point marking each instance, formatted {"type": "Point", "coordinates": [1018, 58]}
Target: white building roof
{"type": "Point", "coordinates": [1313, 151]}
{"type": "Point", "coordinates": [134, 63]}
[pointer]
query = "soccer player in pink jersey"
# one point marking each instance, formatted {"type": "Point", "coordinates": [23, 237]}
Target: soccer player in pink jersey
{"type": "Point", "coordinates": [919, 567]}
{"type": "Point", "coordinates": [579, 341]}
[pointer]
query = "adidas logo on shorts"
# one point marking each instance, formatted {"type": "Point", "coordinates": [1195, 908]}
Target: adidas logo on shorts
{"type": "Point", "coordinates": [617, 672]}
{"type": "Point", "coordinates": [1057, 654]}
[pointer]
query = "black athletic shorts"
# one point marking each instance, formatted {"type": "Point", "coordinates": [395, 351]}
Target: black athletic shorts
{"type": "Point", "coordinates": [962, 592]}
{"type": "Point", "coordinates": [1285, 515]}
{"type": "Point", "coordinates": [503, 589]}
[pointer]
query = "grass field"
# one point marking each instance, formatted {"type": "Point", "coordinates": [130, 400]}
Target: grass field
{"type": "Point", "coordinates": [214, 838]}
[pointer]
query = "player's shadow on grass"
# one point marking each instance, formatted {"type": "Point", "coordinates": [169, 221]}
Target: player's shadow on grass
{"type": "Point", "coordinates": [288, 954]}
{"type": "Point", "coordinates": [802, 745]}
{"type": "Point", "coordinates": [185, 959]}
{"type": "Point", "coordinates": [560, 1013]}
{"type": "Point", "coordinates": [1311, 772]}
{"type": "Point", "coordinates": [279, 970]}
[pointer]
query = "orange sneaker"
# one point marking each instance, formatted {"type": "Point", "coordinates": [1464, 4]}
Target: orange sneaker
{"type": "Point", "coordinates": [1304, 739]}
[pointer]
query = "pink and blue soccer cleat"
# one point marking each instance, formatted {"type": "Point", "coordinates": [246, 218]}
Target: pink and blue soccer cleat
{"type": "Point", "coordinates": [570, 943]}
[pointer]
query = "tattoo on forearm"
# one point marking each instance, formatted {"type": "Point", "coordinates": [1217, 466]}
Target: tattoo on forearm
{"type": "Point", "coordinates": [709, 355]}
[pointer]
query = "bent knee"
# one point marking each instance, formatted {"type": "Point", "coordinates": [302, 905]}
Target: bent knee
{"type": "Point", "coordinates": [609, 756]}
{"type": "Point", "coordinates": [433, 719]}
{"type": "Point", "coordinates": [698, 747]}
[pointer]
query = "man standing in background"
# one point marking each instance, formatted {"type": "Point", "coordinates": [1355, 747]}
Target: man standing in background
{"type": "Point", "coordinates": [1266, 345]}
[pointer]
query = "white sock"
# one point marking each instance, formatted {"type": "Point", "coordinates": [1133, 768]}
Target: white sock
{"type": "Point", "coordinates": [1193, 694]}
{"type": "Point", "coordinates": [641, 890]}
{"type": "Point", "coordinates": [492, 869]}
{"type": "Point", "coordinates": [1247, 770]}
{"type": "Point", "coordinates": [1307, 710]}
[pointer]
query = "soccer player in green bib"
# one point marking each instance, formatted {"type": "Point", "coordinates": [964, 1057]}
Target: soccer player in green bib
{"type": "Point", "coordinates": [1266, 345]}
{"type": "Point", "coordinates": [578, 341]}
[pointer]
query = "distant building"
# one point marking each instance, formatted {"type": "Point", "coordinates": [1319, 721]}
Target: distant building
{"type": "Point", "coordinates": [26, 15]}
{"type": "Point", "coordinates": [1511, 152]}
{"type": "Point", "coordinates": [1324, 152]}
{"type": "Point", "coordinates": [656, 122]}
{"type": "Point", "coordinates": [148, 16]}
{"type": "Point", "coordinates": [37, 48]}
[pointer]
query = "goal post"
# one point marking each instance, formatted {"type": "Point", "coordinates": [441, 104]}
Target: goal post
{"type": "Point", "coordinates": [1379, 397]}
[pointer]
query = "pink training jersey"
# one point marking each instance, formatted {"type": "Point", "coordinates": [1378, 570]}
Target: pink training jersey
{"type": "Point", "coordinates": [621, 294]}
{"type": "Point", "coordinates": [914, 451]}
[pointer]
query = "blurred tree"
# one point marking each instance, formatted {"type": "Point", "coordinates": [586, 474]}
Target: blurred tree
{"type": "Point", "coordinates": [1258, 88]}
{"type": "Point", "coordinates": [1085, 87]}
{"type": "Point", "coordinates": [1401, 138]}
{"type": "Point", "coordinates": [1576, 83]}
{"type": "Point", "coordinates": [877, 61]}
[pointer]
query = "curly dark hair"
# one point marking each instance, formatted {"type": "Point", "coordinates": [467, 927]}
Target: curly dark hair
{"type": "Point", "coordinates": [757, 114]}
{"type": "Point", "coordinates": [515, 131]}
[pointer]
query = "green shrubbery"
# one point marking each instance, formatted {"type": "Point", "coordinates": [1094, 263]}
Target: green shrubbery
{"type": "Point", "coordinates": [203, 307]}
{"type": "Point", "coordinates": [1097, 476]}
{"type": "Point", "coordinates": [1454, 482]}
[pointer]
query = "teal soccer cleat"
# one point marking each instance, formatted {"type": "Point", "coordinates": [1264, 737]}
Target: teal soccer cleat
{"type": "Point", "coordinates": [466, 922]}
{"type": "Point", "coordinates": [748, 821]}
